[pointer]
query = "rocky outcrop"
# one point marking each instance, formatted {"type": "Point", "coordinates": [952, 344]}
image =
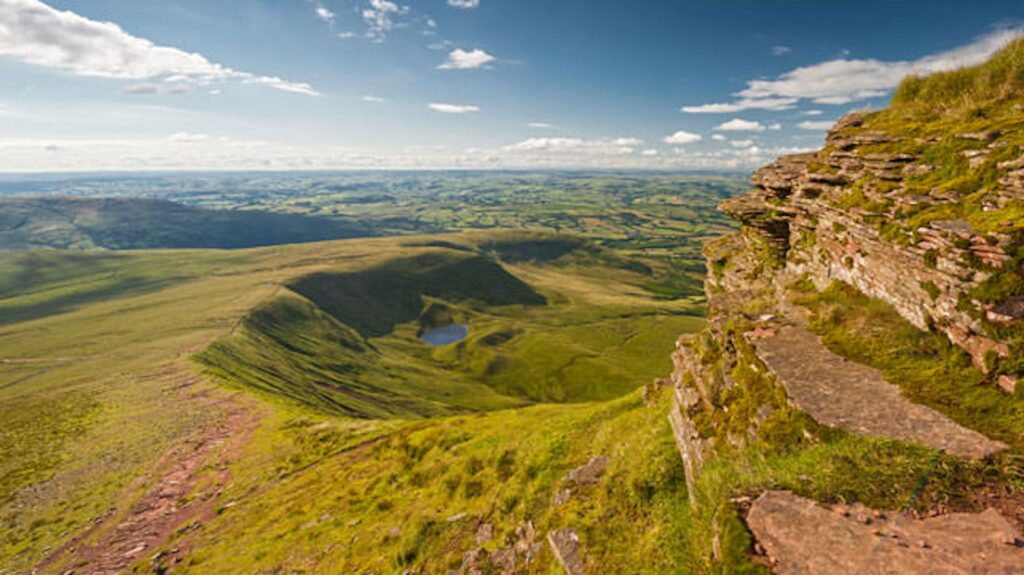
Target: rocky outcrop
{"type": "Point", "coordinates": [840, 215]}
{"type": "Point", "coordinates": [758, 381]}
{"type": "Point", "coordinates": [516, 556]}
{"type": "Point", "coordinates": [798, 536]}
{"type": "Point", "coordinates": [565, 543]}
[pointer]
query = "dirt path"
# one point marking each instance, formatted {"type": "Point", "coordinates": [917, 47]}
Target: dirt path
{"type": "Point", "coordinates": [177, 496]}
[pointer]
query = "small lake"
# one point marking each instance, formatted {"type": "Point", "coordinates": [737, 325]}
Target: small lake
{"type": "Point", "coordinates": [445, 335]}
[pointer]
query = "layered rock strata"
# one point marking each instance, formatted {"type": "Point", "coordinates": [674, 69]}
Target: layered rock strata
{"type": "Point", "coordinates": [850, 214]}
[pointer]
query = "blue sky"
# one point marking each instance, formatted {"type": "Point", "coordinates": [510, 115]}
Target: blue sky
{"type": "Point", "coordinates": [309, 84]}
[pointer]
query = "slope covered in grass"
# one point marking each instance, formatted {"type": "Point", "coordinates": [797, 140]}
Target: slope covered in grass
{"type": "Point", "coordinates": [966, 129]}
{"type": "Point", "coordinates": [134, 223]}
{"type": "Point", "coordinates": [338, 499]}
{"type": "Point", "coordinates": [374, 301]}
{"type": "Point", "coordinates": [346, 341]}
{"type": "Point", "coordinates": [363, 434]}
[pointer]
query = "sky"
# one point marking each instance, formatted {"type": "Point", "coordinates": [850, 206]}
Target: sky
{"type": "Point", "coordinates": [518, 84]}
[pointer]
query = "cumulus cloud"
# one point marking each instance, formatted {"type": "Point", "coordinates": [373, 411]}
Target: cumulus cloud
{"type": "Point", "coordinates": [770, 104]}
{"type": "Point", "coordinates": [844, 80]}
{"type": "Point", "coordinates": [453, 108]}
{"type": "Point", "coordinates": [812, 113]}
{"type": "Point", "coordinates": [819, 126]}
{"type": "Point", "coordinates": [154, 89]}
{"type": "Point", "coordinates": [34, 33]}
{"type": "Point", "coordinates": [742, 143]}
{"type": "Point", "coordinates": [575, 149]}
{"type": "Point", "coordinates": [682, 138]}
{"type": "Point", "coordinates": [540, 125]}
{"type": "Point", "coordinates": [464, 4]}
{"type": "Point", "coordinates": [740, 125]}
{"type": "Point", "coordinates": [460, 59]}
{"type": "Point", "coordinates": [379, 16]}
{"type": "Point", "coordinates": [322, 12]}
{"type": "Point", "coordinates": [649, 153]}
{"type": "Point", "coordinates": [718, 137]}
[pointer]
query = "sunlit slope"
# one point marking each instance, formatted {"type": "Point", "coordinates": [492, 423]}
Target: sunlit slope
{"type": "Point", "coordinates": [322, 496]}
{"type": "Point", "coordinates": [345, 341]}
{"type": "Point", "coordinates": [97, 376]}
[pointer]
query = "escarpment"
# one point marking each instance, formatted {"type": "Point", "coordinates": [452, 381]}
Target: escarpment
{"type": "Point", "coordinates": [859, 215]}
{"type": "Point", "coordinates": [864, 342]}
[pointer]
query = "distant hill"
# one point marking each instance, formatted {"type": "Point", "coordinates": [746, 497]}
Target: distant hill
{"type": "Point", "coordinates": [133, 224]}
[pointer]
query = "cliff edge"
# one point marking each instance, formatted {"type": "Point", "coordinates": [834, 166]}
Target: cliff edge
{"type": "Point", "coordinates": [853, 405]}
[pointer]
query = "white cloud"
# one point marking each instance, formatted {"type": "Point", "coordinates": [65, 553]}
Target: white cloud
{"type": "Point", "coordinates": [189, 151]}
{"type": "Point", "coordinates": [453, 108]}
{"type": "Point", "coordinates": [770, 104]}
{"type": "Point", "coordinates": [649, 153]}
{"type": "Point", "coordinates": [153, 89]}
{"type": "Point", "coordinates": [682, 138]}
{"type": "Point", "coordinates": [820, 126]}
{"type": "Point", "coordinates": [781, 50]}
{"type": "Point", "coordinates": [460, 59]}
{"type": "Point", "coordinates": [540, 125]}
{"type": "Point", "coordinates": [464, 4]}
{"type": "Point", "coordinates": [842, 81]}
{"type": "Point", "coordinates": [740, 125]}
{"type": "Point", "coordinates": [188, 138]}
{"type": "Point", "coordinates": [373, 99]}
{"type": "Point", "coordinates": [379, 17]}
{"type": "Point", "coordinates": [742, 143]}
{"type": "Point", "coordinates": [812, 113]}
{"type": "Point", "coordinates": [775, 127]}
{"type": "Point", "coordinates": [34, 33]}
{"type": "Point", "coordinates": [322, 12]}
{"type": "Point", "coordinates": [577, 147]}
{"type": "Point", "coordinates": [718, 137]}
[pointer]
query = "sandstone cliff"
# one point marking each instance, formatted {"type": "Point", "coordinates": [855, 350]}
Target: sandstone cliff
{"type": "Point", "coordinates": [825, 369]}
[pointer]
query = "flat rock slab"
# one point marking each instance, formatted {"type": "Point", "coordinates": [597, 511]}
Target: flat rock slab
{"type": "Point", "coordinates": [840, 393]}
{"type": "Point", "coordinates": [801, 537]}
{"type": "Point", "coordinates": [566, 545]}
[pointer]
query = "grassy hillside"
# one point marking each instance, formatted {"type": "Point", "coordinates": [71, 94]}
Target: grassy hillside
{"type": "Point", "coordinates": [134, 224]}
{"type": "Point", "coordinates": [346, 341]}
{"type": "Point", "coordinates": [354, 424]}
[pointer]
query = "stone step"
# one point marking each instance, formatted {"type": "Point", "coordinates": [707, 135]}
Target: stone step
{"type": "Point", "coordinates": [840, 393]}
{"type": "Point", "coordinates": [798, 536]}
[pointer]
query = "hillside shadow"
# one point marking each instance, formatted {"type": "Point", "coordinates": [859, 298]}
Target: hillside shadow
{"type": "Point", "coordinates": [376, 300]}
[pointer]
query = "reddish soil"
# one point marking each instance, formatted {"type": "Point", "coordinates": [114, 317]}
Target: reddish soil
{"type": "Point", "coordinates": [178, 495]}
{"type": "Point", "coordinates": [1009, 503]}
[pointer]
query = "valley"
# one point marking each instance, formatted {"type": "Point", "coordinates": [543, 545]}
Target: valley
{"type": "Point", "coordinates": [296, 381]}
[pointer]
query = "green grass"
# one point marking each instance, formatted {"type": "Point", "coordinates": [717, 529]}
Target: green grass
{"type": "Point", "coordinates": [503, 468]}
{"type": "Point", "coordinates": [94, 396]}
{"type": "Point", "coordinates": [350, 346]}
{"type": "Point", "coordinates": [927, 114]}
{"type": "Point", "coordinates": [136, 223]}
{"type": "Point", "coordinates": [927, 367]}
{"type": "Point", "coordinates": [790, 451]}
